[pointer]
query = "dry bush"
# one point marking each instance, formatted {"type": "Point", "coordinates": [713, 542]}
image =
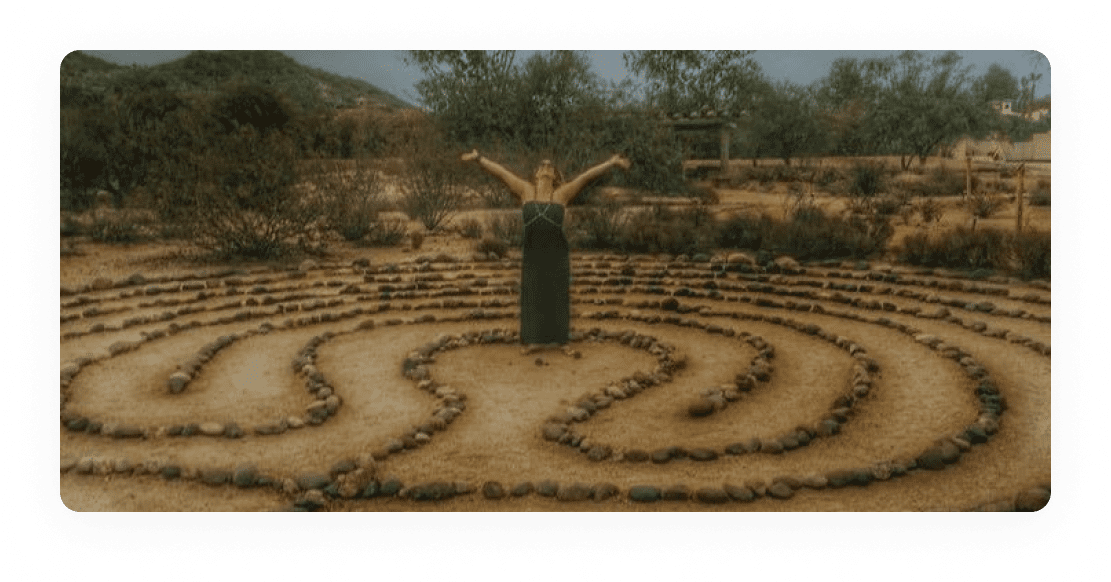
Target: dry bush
{"type": "Point", "coordinates": [959, 248]}
{"type": "Point", "coordinates": [596, 226]}
{"type": "Point", "coordinates": [235, 195]}
{"type": "Point", "coordinates": [507, 227]}
{"type": "Point", "coordinates": [352, 197]}
{"type": "Point", "coordinates": [1040, 195]}
{"type": "Point", "coordinates": [982, 205]}
{"type": "Point", "coordinates": [471, 228]}
{"type": "Point", "coordinates": [1032, 253]}
{"type": "Point", "coordinates": [492, 245]}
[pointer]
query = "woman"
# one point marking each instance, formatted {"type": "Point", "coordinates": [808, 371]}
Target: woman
{"type": "Point", "coordinates": [546, 265]}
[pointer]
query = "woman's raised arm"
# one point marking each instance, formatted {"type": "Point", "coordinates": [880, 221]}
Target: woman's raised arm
{"type": "Point", "coordinates": [519, 187]}
{"type": "Point", "coordinates": [567, 192]}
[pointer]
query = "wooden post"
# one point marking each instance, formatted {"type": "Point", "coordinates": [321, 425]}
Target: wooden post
{"type": "Point", "coordinates": [724, 149]}
{"type": "Point", "coordinates": [1021, 195]}
{"type": "Point", "coordinates": [968, 174]}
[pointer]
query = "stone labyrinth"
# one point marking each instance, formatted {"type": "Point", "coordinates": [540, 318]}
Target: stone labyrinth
{"type": "Point", "coordinates": [710, 382]}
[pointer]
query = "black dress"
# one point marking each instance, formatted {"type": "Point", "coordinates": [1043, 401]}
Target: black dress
{"type": "Point", "coordinates": [545, 276]}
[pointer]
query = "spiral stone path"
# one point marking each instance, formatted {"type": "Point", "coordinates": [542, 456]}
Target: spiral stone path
{"type": "Point", "coordinates": [691, 383]}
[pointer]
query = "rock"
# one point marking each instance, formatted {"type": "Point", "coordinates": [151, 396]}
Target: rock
{"type": "Point", "coordinates": [604, 491]}
{"type": "Point", "coordinates": [390, 487]}
{"type": "Point", "coordinates": [170, 472]}
{"type": "Point", "coordinates": [700, 407]}
{"type": "Point", "coordinates": [711, 495]}
{"type": "Point", "coordinates": [434, 491]}
{"type": "Point", "coordinates": [355, 481]}
{"type": "Point", "coordinates": [676, 493]}
{"type": "Point", "coordinates": [598, 453]}
{"type": "Point", "coordinates": [233, 431]}
{"type": "Point", "coordinates": [547, 488]}
{"type": "Point", "coordinates": [644, 493]}
{"type": "Point", "coordinates": [838, 478]}
{"type": "Point", "coordinates": [177, 382]}
{"type": "Point", "coordinates": [780, 490]}
{"type": "Point", "coordinates": [738, 493]}
{"type": "Point", "coordinates": [493, 490]}
{"type": "Point", "coordinates": [215, 476]}
{"type": "Point", "coordinates": [636, 455]}
{"type": "Point", "coordinates": [127, 431]}
{"type": "Point", "coordinates": [574, 492]}
{"type": "Point", "coordinates": [827, 427]}
{"type": "Point", "coordinates": [1032, 499]}
{"type": "Point", "coordinates": [307, 265]}
{"type": "Point", "coordinates": [553, 432]}
{"type": "Point", "coordinates": [344, 466]}
{"type": "Point", "coordinates": [311, 500]}
{"type": "Point", "coordinates": [313, 481]}
{"type": "Point", "coordinates": [814, 481]}
{"type": "Point", "coordinates": [244, 476]}
{"type": "Point", "coordinates": [211, 428]}
{"type": "Point", "coordinates": [521, 489]}
{"type": "Point", "coordinates": [931, 459]}
{"type": "Point", "coordinates": [661, 455]}
{"type": "Point", "coordinates": [294, 422]}
{"type": "Point", "coordinates": [772, 446]}
{"type": "Point", "coordinates": [703, 454]}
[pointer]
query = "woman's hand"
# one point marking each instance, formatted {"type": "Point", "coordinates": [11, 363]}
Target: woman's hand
{"type": "Point", "coordinates": [473, 155]}
{"type": "Point", "coordinates": [620, 161]}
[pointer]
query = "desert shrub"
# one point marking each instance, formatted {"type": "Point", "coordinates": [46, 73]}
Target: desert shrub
{"type": "Point", "coordinates": [385, 232]}
{"type": "Point", "coordinates": [823, 177]}
{"type": "Point", "coordinates": [116, 228]}
{"type": "Point", "coordinates": [351, 196]}
{"type": "Point", "coordinates": [940, 181]}
{"type": "Point", "coordinates": [70, 226]}
{"type": "Point", "coordinates": [234, 194]}
{"type": "Point", "coordinates": [744, 231]}
{"type": "Point", "coordinates": [507, 227]}
{"type": "Point", "coordinates": [496, 198]}
{"type": "Point", "coordinates": [816, 235]}
{"type": "Point", "coordinates": [596, 226]}
{"type": "Point", "coordinates": [471, 228]}
{"type": "Point", "coordinates": [929, 209]}
{"type": "Point", "coordinates": [661, 229]}
{"type": "Point", "coordinates": [960, 248]}
{"type": "Point", "coordinates": [1031, 251]}
{"type": "Point", "coordinates": [982, 205]}
{"type": "Point", "coordinates": [1039, 196]}
{"type": "Point", "coordinates": [866, 179]}
{"type": "Point", "coordinates": [433, 188]}
{"type": "Point", "coordinates": [704, 194]}
{"type": "Point", "coordinates": [492, 245]}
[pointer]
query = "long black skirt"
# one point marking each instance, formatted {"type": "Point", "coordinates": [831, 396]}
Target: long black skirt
{"type": "Point", "coordinates": [545, 276]}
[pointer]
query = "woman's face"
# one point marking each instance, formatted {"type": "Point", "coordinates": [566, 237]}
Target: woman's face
{"type": "Point", "coordinates": [545, 173]}
{"type": "Point", "coordinates": [546, 178]}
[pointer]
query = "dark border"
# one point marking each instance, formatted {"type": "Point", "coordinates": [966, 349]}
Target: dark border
{"type": "Point", "coordinates": [47, 541]}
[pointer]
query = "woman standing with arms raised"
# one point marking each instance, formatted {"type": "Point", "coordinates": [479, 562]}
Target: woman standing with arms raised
{"type": "Point", "coordinates": [546, 264]}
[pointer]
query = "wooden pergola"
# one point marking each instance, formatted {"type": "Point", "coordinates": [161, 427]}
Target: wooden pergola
{"type": "Point", "coordinates": [706, 124]}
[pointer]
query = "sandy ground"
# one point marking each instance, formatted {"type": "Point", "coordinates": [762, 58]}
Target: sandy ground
{"type": "Point", "coordinates": [918, 395]}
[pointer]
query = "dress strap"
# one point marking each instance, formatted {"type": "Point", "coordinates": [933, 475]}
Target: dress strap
{"type": "Point", "coordinates": [542, 213]}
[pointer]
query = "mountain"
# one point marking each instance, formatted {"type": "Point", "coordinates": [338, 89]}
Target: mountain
{"type": "Point", "coordinates": [85, 77]}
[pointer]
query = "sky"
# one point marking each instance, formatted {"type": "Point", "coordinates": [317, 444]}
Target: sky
{"type": "Point", "coordinates": [386, 69]}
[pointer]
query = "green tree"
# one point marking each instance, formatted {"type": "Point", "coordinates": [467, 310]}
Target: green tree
{"type": "Point", "coordinates": [472, 93]}
{"type": "Point", "coordinates": [997, 83]}
{"type": "Point", "coordinates": [786, 122]}
{"type": "Point", "coordinates": [922, 104]}
{"type": "Point", "coordinates": [682, 82]}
